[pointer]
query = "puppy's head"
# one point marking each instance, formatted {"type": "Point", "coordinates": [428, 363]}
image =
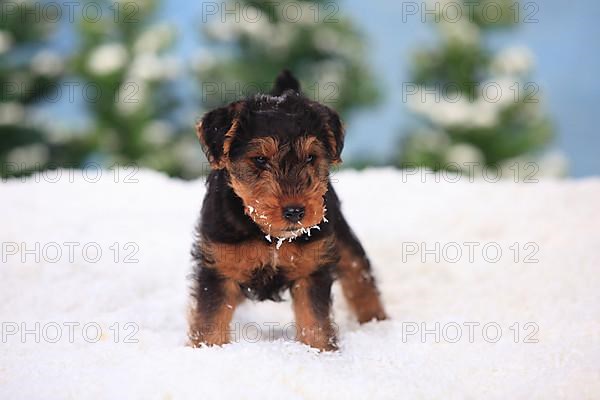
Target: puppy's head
{"type": "Point", "coordinates": [277, 150]}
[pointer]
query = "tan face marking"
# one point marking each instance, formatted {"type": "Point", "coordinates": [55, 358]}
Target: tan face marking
{"type": "Point", "coordinates": [287, 177]}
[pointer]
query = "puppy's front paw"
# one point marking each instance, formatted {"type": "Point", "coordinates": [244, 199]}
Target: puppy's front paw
{"type": "Point", "coordinates": [207, 336]}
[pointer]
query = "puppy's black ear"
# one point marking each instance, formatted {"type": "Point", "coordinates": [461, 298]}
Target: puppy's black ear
{"type": "Point", "coordinates": [285, 81]}
{"type": "Point", "coordinates": [216, 131]}
{"type": "Point", "coordinates": [334, 131]}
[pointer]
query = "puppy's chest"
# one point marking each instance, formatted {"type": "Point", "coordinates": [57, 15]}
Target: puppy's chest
{"type": "Point", "coordinates": [254, 259]}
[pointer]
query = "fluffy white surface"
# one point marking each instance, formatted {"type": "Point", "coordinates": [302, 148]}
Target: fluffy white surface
{"type": "Point", "coordinates": [560, 294]}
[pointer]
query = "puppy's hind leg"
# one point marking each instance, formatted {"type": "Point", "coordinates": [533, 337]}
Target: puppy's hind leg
{"type": "Point", "coordinates": [356, 277]}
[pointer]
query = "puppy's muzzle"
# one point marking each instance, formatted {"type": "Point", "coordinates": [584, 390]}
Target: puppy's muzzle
{"type": "Point", "coordinates": [293, 213]}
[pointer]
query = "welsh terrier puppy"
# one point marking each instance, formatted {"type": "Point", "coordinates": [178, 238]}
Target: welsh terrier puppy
{"type": "Point", "coordinates": [271, 220]}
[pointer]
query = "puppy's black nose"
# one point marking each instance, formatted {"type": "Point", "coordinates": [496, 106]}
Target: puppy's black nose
{"type": "Point", "coordinates": [293, 213]}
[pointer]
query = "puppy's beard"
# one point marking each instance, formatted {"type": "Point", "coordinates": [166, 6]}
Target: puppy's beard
{"type": "Point", "coordinates": [287, 232]}
{"type": "Point", "coordinates": [294, 233]}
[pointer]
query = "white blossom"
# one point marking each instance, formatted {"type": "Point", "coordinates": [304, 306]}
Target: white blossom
{"type": "Point", "coordinates": [327, 40]}
{"type": "Point", "coordinates": [327, 72]}
{"type": "Point", "coordinates": [11, 113]}
{"type": "Point", "coordinates": [275, 36]}
{"type": "Point", "coordinates": [464, 154]}
{"type": "Point", "coordinates": [158, 132]}
{"type": "Point", "coordinates": [482, 112]}
{"type": "Point", "coordinates": [47, 63]}
{"type": "Point", "coordinates": [311, 13]}
{"type": "Point", "coordinates": [151, 67]}
{"type": "Point", "coordinates": [431, 140]}
{"type": "Point", "coordinates": [259, 28]}
{"type": "Point", "coordinates": [222, 31]}
{"type": "Point", "coordinates": [132, 96]}
{"type": "Point", "coordinates": [501, 90]}
{"type": "Point", "coordinates": [552, 164]}
{"type": "Point", "coordinates": [32, 155]}
{"type": "Point", "coordinates": [281, 36]}
{"type": "Point", "coordinates": [59, 132]}
{"type": "Point", "coordinates": [155, 39]}
{"type": "Point", "coordinates": [203, 60]}
{"type": "Point", "coordinates": [461, 31]}
{"type": "Point", "coordinates": [107, 58]}
{"type": "Point", "coordinates": [516, 60]}
{"type": "Point", "coordinates": [141, 5]}
{"type": "Point", "coordinates": [6, 41]}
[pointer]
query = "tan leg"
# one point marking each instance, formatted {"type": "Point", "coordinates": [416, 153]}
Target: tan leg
{"type": "Point", "coordinates": [312, 304]}
{"type": "Point", "coordinates": [216, 299]}
{"type": "Point", "coordinates": [358, 286]}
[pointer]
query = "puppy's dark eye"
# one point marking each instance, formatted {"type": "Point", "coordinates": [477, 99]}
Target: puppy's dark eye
{"type": "Point", "coordinates": [310, 159]}
{"type": "Point", "coordinates": [260, 161]}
